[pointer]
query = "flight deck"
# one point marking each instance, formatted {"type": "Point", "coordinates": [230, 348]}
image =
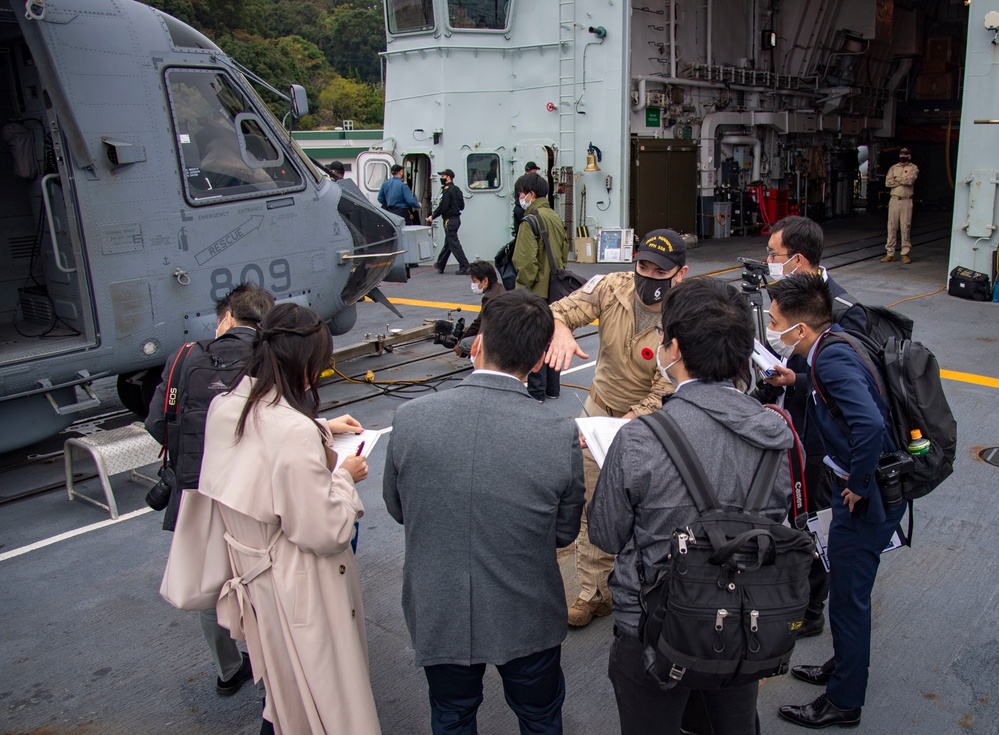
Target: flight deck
{"type": "Point", "coordinates": [88, 645]}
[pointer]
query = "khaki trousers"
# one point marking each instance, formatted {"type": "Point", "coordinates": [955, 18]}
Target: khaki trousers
{"type": "Point", "coordinates": [593, 565]}
{"type": "Point", "coordinates": [899, 217]}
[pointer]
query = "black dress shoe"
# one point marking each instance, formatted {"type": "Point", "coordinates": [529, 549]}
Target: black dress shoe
{"type": "Point", "coordinates": [820, 713]}
{"type": "Point", "coordinates": [812, 627]}
{"type": "Point", "coordinates": [461, 272]}
{"type": "Point", "coordinates": [231, 685]}
{"type": "Point", "coordinates": [439, 270]}
{"type": "Point", "coordinates": [819, 675]}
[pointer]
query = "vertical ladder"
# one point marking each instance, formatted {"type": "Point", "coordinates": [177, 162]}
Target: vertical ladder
{"type": "Point", "coordinates": [566, 81]}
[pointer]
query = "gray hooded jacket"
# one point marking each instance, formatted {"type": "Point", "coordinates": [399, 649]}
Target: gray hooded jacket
{"type": "Point", "coordinates": [640, 493]}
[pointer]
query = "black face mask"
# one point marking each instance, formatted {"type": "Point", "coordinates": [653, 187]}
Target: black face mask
{"type": "Point", "coordinates": [443, 181]}
{"type": "Point", "coordinates": [651, 291]}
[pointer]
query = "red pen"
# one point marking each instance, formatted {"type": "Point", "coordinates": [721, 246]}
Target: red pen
{"type": "Point", "coordinates": [360, 449]}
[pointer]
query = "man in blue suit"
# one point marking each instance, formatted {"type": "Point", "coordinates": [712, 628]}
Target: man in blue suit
{"type": "Point", "coordinates": [800, 317]}
{"type": "Point", "coordinates": [795, 247]}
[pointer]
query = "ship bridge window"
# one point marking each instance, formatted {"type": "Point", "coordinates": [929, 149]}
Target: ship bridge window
{"type": "Point", "coordinates": [483, 171]}
{"type": "Point", "coordinates": [478, 14]}
{"type": "Point", "coordinates": [409, 16]}
{"type": "Point", "coordinates": [225, 149]}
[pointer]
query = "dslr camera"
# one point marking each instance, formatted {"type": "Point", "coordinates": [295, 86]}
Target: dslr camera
{"type": "Point", "coordinates": [893, 467]}
{"type": "Point", "coordinates": [158, 496]}
{"type": "Point", "coordinates": [448, 333]}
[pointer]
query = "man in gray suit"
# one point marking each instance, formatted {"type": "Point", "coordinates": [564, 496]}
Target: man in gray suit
{"type": "Point", "coordinates": [481, 583]}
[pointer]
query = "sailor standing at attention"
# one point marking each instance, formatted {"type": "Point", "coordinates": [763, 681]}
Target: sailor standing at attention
{"type": "Point", "coordinates": [900, 179]}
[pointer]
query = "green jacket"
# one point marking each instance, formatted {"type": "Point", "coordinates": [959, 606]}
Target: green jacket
{"type": "Point", "coordinates": [529, 257]}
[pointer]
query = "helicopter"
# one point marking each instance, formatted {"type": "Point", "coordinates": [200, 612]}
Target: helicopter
{"type": "Point", "coordinates": [143, 177]}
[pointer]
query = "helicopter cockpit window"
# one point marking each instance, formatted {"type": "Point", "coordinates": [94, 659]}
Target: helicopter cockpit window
{"type": "Point", "coordinates": [478, 14]}
{"type": "Point", "coordinates": [483, 171]}
{"type": "Point", "coordinates": [409, 16]}
{"type": "Point", "coordinates": [374, 235]}
{"type": "Point", "coordinates": [225, 149]}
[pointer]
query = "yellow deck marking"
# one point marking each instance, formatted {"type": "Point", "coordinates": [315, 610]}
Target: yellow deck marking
{"type": "Point", "coordinates": [446, 305]}
{"type": "Point", "coordinates": [969, 378]}
{"type": "Point", "coordinates": [437, 304]}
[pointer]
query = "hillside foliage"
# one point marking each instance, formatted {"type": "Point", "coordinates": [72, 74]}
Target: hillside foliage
{"type": "Point", "coordinates": [328, 46]}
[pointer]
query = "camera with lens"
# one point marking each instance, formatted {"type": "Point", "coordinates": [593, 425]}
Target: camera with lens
{"type": "Point", "coordinates": [893, 467]}
{"type": "Point", "coordinates": [158, 496]}
{"type": "Point", "coordinates": [754, 274]}
{"type": "Point", "coordinates": [448, 333]}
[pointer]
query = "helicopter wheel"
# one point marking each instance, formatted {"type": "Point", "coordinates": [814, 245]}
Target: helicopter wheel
{"type": "Point", "coordinates": [135, 390]}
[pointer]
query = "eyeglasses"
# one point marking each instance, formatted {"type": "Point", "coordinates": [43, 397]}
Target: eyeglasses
{"type": "Point", "coordinates": [771, 255]}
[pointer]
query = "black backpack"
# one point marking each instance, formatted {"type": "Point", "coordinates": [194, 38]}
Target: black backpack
{"type": "Point", "coordinates": [726, 610]}
{"type": "Point", "coordinates": [908, 379]}
{"type": "Point", "coordinates": [562, 281]}
{"type": "Point", "coordinates": [209, 368]}
{"type": "Point", "coordinates": [882, 322]}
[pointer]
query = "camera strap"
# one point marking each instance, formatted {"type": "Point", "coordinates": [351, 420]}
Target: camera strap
{"type": "Point", "coordinates": [170, 395]}
{"type": "Point", "coordinates": [796, 460]}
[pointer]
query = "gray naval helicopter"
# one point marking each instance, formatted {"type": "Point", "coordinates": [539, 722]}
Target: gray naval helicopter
{"type": "Point", "coordinates": [142, 178]}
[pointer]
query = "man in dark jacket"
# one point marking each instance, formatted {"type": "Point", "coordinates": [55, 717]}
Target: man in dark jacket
{"type": "Point", "coordinates": [481, 583]}
{"type": "Point", "coordinates": [450, 208]}
{"type": "Point", "coordinates": [640, 499]}
{"type": "Point", "coordinates": [238, 317]}
{"type": "Point", "coordinates": [862, 525]}
{"type": "Point", "coordinates": [795, 246]}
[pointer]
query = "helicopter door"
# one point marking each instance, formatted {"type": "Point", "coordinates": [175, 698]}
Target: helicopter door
{"type": "Point", "coordinates": [373, 168]}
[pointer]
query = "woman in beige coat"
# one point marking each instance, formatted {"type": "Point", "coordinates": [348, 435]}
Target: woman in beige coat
{"type": "Point", "coordinates": [296, 596]}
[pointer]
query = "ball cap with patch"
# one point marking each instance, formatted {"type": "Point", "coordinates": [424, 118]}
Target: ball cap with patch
{"type": "Point", "coordinates": [904, 152]}
{"type": "Point", "coordinates": [664, 248]}
{"type": "Point", "coordinates": [446, 172]}
{"type": "Point", "coordinates": [530, 166]}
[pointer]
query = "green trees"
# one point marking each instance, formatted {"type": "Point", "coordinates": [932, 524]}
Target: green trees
{"type": "Point", "coordinates": [328, 46]}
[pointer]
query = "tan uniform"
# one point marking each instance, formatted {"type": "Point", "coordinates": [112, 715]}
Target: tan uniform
{"type": "Point", "coordinates": [900, 179]}
{"type": "Point", "coordinates": [626, 379]}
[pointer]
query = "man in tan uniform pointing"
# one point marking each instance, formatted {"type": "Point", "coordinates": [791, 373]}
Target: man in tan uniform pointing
{"type": "Point", "coordinates": [900, 179]}
{"type": "Point", "coordinates": [626, 382]}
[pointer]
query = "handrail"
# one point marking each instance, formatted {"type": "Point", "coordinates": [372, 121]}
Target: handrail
{"type": "Point", "coordinates": [57, 254]}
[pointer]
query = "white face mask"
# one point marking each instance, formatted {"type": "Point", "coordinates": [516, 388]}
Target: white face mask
{"type": "Point", "coordinates": [778, 345]}
{"type": "Point", "coordinates": [777, 269]}
{"type": "Point", "coordinates": [662, 370]}
{"type": "Point", "coordinates": [524, 203]}
{"type": "Point", "coordinates": [476, 289]}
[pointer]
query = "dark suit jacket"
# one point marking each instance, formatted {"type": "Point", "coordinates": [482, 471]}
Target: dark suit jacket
{"type": "Point", "coordinates": [796, 395]}
{"type": "Point", "coordinates": [855, 442]}
{"type": "Point", "coordinates": [487, 485]}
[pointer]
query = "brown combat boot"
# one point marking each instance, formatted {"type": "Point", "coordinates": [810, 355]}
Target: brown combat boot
{"type": "Point", "coordinates": [888, 259]}
{"type": "Point", "coordinates": [581, 612]}
{"type": "Point", "coordinates": [906, 259]}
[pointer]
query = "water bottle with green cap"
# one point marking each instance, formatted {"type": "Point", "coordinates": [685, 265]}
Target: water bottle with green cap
{"type": "Point", "coordinates": [918, 444]}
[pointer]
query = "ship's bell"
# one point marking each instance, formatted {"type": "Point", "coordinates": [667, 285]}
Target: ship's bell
{"type": "Point", "coordinates": [591, 162]}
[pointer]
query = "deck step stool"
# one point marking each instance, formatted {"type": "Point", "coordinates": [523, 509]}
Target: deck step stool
{"type": "Point", "coordinates": [114, 451]}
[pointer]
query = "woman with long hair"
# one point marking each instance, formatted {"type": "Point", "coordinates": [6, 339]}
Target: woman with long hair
{"type": "Point", "coordinates": [295, 596]}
